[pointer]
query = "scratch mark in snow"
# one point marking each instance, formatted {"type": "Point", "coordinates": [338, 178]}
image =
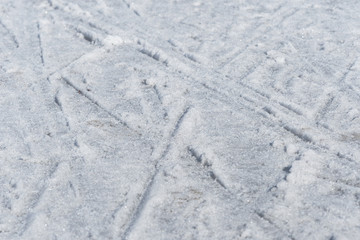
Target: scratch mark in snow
{"type": "Point", "coordinates": [156, 90]}
{"type": "Point", "coordinates": [179, 121]}
{"type": "Point", "coordinates": [140, 207]}
{"type": "Point", "coordinates": [348, 69]}
{"type": "Point", "coordinates": [298, 134]}
{"type": "Point", "coordinates": [200, 159]}
{"type": "Point", "coordinates": [37, 198]}
{"type": "Point", "coordinates": [291, 108]}
{"type": "Point", "coordinates": [129, 7]}
{"type": "Point", "coordinates": [145, 196]}
{"type": "Point", "coordinates": [86, 35]}
{"type": "Point", "coordinates": [84, 94]}
{"type": "Point", "coordinates": [13, 37]}
{"type": "Point", "coordinates": [154, 55]}
{"type": "Point", "coordinates": [268, 220]}
{"type": "Point", "coordinates": [67, 65]}
{"type": "Point", "coordinates": [40, 44]}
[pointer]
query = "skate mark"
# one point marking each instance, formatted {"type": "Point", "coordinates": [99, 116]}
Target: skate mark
{"type": "Point", "coordinates": [198, 157]}
{"type": "Point", "coordinates": [262, 216]}
{"type": "Point", "coordinates": [211, 88]}
{"type": "Point", "coordinates": [172, 43]}
{"type": "Point", "coordinates": [298, 134]}
{"type": "Point", "coordinates": [254, 35]}
{"type": "Point", "coordinates": [332, 237]}
{"type": "Point", "coordinates": [347, 71]}
{"type": "Point", "coordinates": [191, 57]}
{"type": "Point", "coordinates": [216, 179]}
{"type": "Point", "coordinates": [233, 57]}
{"type": "Point", "coordinates": [287, 171]}
{"type": "Point", "coordinates": [250, 70]}
{"type": "Point", "coordinates": [343, 156]}
{"type": "Point", "coordinates": [28, 221]}
{"type": "Point", "coordinates": [325, 109]}
{"type": "Point", "coordinates": [94, 26]}
{"type": "Point", "coordinates": [279, 122]}
{"type": "Point", "coordinates": [179, 121]}
{"type": "Point", "coordinates": [12, 35]}
{"type": "Point", "coordinates": [292, 13]}
{"type": "Point", "coordinates": [67, 65]}
{"type": "Point", "coordinates": [57, 101]}
{"type": "Point", "coordinates": [145, 195]}
{"type": "Point", "coordinates": [156, 90]}
{"type": "Point", "coordinates": [87, 36]}
{"type": "Point", "coordinates": [96, 103]}
{"type": "Point", "coordinates": [153, 55]}
{"type": "Point", "coordinates": [141, 205]}
{"type": "Point", "coordinates": [116, 210]}
{"type": "Point", "coordinates": [225, 95]}
{"type": "Point", "coordinates": [72, 189]}
{"type": "Point", "coordinates": [129, 7]}
{"type": "Point", "coordinates": [53, 170]}
{"type": "Point", "coordinates": [59, 104]}
{"type": "Point", "coordinates": [291, 108]}
{"type": "Point", "coordinates": [258, 92]}
{"type": "Point", "coordinates": [226, 98]}
{"type": "Point", "coordinates": [40, 44]}
{"type": "Point", "coordinates": [206, 165]}
{"type": "Point", "coordinates": [269, 111]}
{"type": "Point", "coordinates": [37, 198]}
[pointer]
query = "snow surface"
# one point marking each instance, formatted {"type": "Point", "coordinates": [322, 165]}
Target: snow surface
{"type": "Point", "coordinates": [179, 119]}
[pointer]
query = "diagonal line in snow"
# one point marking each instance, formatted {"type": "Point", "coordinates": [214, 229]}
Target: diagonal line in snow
{"type": "Point", "coordinates": [12, 35]}
{"type": "Point", "coordinates": [91, 99]}
{"type": "Point", "coordinates": [40, 44]}
{"type": "Point", "coordinates": [145, 196]}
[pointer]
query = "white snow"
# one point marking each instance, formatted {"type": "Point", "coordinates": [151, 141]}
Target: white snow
{"type": "Point", "coordinates": [150, 119]}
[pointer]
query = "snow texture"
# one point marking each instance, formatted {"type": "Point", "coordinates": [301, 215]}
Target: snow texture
{"type": "Point", "coordinates": [181, 119]}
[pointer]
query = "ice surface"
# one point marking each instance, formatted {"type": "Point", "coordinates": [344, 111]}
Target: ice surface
{"type": "Point", "coordinates": [179, 119]}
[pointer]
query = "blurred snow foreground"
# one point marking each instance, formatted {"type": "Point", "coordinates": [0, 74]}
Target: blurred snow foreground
{"type": "Point", "coordinates": [219, 119]}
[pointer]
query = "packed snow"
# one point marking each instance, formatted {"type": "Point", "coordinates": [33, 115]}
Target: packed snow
{"type": "Point", "coordinates": [181, 119]}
